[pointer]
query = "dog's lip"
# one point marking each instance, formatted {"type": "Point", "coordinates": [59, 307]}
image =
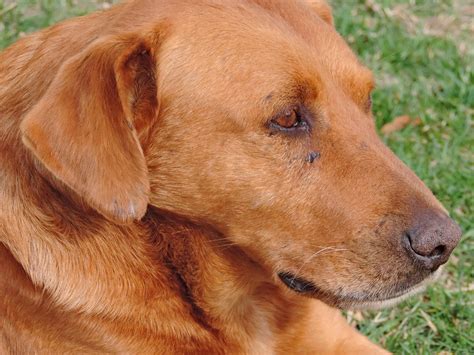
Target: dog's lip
{"type": "Point", "coordinates": [297, 284]}
{"type": "Point", "coordinates": [308, 288]}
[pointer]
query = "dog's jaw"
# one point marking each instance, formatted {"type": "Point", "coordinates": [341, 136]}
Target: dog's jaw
{"type": "Point", "coordinates": [350, 301]}
{"type": "Point", "coordinates": [392, 301]}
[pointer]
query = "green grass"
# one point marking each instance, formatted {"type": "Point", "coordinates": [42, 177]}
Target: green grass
{"type": "Point", "coordinates": [420, 52]}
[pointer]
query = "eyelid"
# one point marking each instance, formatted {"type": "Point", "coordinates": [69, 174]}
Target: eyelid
{"type": "Point", "coordinates": [302, 127]}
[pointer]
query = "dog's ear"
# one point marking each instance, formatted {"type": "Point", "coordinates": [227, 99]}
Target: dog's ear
{"type": "Point", "coordinates": [83, 129]}
{"type": "Point", "coordinates": [322, 8]}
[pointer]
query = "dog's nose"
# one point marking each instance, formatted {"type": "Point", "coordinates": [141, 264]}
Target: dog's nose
{"type": "Point", "coordinates": [432, 239]}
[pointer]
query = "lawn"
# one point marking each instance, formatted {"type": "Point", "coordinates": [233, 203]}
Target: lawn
{"type": "Point", "coordinates": [420, 51]}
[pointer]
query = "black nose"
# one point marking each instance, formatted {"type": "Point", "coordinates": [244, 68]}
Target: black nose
{"type": "Point", "coordinates": [432, 239]}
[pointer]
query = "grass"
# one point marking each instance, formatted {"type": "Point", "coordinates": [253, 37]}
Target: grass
{"type": "Point", "coordinates": [420, 52]}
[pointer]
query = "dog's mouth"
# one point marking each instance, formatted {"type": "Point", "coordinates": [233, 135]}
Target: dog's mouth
{"type": "Point", "coordinates": [307, 288]}
{"type": "Point", "coordinates": [355, 300]}
{"type": "Point", "coordinates": [298, 284]}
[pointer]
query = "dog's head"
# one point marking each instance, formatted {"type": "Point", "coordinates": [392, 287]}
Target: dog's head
{"type": "Point", "coordinates": [253, 117]}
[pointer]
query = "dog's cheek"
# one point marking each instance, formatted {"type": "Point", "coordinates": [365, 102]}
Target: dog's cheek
{"type": "Point", "coordinates": [200, 179]}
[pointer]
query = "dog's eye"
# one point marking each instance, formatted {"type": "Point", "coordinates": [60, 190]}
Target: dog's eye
{"type": "Point", "coordinates": [289, 120]}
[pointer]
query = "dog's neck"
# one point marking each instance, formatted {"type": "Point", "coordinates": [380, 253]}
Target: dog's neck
{"type": "Point", "coordinates": [159, 267]}
{"type": "Point", "coordinates": [219, 285]}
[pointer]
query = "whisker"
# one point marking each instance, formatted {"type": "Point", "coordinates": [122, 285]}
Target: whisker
{"type": "Point", "coordinates": [319, 252]}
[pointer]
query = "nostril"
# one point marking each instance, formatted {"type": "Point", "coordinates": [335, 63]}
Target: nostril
{"type": "Point", "coordinates": [431, 240]}
{"type": "Point", "coordinates": [438, 251]}
{"type": "Point", "coordinates": [424, 254]}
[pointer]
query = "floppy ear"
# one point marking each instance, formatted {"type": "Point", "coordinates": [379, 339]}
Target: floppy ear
{"type": "Point", "coordinates": [83, 128]}
{"type": "Point", "coordinates": [322, 8]}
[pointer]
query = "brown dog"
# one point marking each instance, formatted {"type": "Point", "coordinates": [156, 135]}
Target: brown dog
{"type": "Point", "coordinates": [177, 175]}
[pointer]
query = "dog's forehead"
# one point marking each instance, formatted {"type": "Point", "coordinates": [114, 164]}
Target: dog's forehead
{"type": "Point", "coordinates": [245, 48]}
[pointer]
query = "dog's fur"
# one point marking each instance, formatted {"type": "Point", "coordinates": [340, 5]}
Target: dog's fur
{"type": "Point", "coordinates": [148, 201]}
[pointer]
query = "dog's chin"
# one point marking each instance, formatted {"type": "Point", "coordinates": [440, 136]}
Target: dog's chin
{"type": "Point", "coordinates": [356, 300]}
{"type": "Point", "coordinates": [385, 302]}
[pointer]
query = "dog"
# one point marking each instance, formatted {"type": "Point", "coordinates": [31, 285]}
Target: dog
{"type": "Point", "coordinates": [201, 176]}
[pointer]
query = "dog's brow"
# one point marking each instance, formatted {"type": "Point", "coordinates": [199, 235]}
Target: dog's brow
{"type": "Point", "coordinates": [296, 90]}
